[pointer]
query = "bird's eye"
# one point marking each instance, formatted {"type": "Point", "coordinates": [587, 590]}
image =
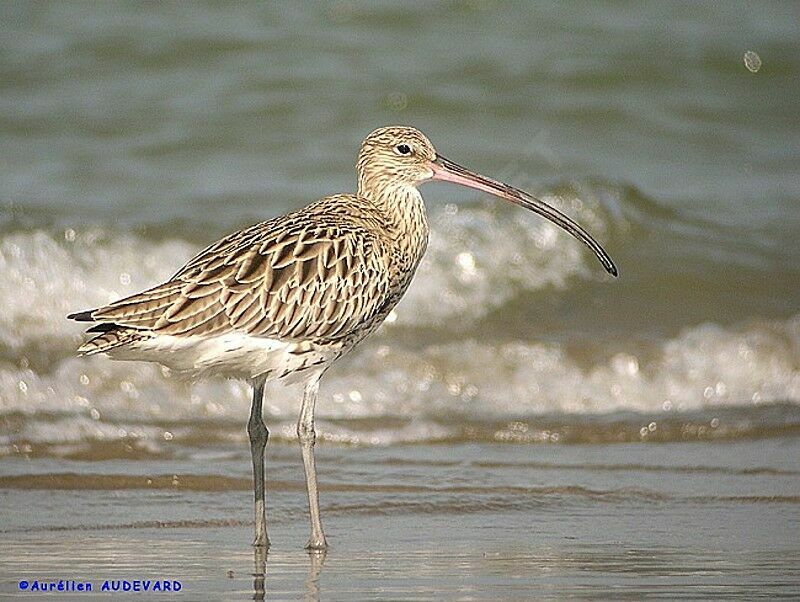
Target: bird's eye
{"type": "Point", "coordinates": [403, 149]}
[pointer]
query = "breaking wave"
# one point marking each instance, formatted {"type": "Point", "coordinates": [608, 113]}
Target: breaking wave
{"type": "Point", "coordinates": [457, 359]}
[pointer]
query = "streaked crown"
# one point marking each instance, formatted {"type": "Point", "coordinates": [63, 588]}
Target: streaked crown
{"type": "Point", "coordinates": [394, 156]}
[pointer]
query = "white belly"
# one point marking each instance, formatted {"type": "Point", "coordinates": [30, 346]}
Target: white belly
{"type": "Point", "coordinates": [232, 355]}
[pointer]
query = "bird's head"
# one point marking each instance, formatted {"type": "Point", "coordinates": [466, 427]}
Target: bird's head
{"type": "Point", "coordinates": [395, 155]}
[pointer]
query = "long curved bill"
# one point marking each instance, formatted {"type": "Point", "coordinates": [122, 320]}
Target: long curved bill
{"type": "Point", "coordinates": [448, 171]}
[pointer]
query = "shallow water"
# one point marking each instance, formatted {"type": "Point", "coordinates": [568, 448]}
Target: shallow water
{"type": "Point", "coordinates": [131, 137]}
{"type": "Point", "coordinates": [466, 521]}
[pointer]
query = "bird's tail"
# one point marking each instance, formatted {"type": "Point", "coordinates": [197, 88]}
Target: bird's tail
{"type": "Point", "coordinates": [110, 337]}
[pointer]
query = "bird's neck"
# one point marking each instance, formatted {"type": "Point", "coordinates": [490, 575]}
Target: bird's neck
{"type": "Point", "coordinates": [404, 210]}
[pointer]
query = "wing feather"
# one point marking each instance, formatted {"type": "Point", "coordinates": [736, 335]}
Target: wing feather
{"type": "Point", "coordinates": [314, 274]}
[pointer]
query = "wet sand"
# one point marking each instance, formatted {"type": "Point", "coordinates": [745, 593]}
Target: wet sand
{"type": "Point", "coordinates": [428, 522]}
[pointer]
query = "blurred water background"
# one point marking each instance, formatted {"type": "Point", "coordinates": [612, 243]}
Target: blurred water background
{"type": "Point", "coordinates": [133, 135]}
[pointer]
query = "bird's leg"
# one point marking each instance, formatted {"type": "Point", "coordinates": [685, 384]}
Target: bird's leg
{"type": "Point", "coordinates": [307, 437]}
{"type": "Point", "coordinates": [258, 433]}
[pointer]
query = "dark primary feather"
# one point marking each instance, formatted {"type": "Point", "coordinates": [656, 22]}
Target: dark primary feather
{"type": "Point", "coordinates": [81, 316]}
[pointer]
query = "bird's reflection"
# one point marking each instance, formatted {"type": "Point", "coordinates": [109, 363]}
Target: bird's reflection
{"type": "Point", "coordinates": [316, 560]}
{"type": "Point", "coordinates": [260, 571]}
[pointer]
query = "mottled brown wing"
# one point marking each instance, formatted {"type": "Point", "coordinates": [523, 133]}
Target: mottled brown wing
{"type": "Point", "coordinates": [293, 278]}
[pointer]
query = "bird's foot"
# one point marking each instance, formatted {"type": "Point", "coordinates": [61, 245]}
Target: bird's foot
{"type": "Point", "coordinates": [261, 541]}
{"type": "Point", "coordinates": [317, 544]}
